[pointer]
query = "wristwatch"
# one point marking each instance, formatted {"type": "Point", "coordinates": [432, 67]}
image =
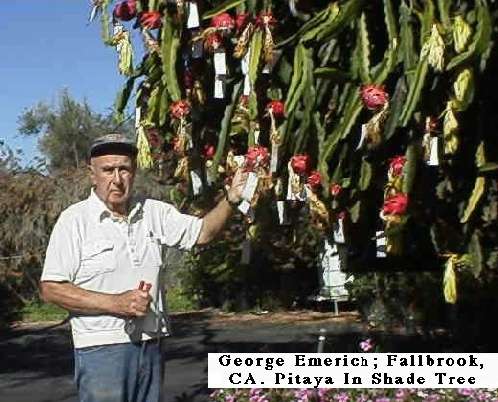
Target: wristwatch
{"type": "Point", "coordinates": [231, 203]}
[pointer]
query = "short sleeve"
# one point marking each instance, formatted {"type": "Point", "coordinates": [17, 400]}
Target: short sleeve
{"type": "Point", "coordinates": [180, 230]}
{"type": "Point", "coordinates": [62, 258]}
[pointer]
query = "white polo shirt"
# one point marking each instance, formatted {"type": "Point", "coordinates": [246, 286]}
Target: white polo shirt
{"type": "Point", "coordinates": [94, 250]}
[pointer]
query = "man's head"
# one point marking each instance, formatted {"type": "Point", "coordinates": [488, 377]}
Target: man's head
{"type": "Point", "coordinates": [112, 170]}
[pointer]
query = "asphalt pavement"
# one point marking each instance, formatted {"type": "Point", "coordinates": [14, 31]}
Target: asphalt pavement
{"type": "Point", "coordinates": [36, 362]}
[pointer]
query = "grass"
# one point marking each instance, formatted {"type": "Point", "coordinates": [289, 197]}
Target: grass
{"type": "Point", "coordinates": [37, 311]}
{"type": "Point", "coordinates": [178, 301]}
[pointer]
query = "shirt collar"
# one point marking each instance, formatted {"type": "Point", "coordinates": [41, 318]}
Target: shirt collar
{"type": "Point", "coordinates": [100, 211]}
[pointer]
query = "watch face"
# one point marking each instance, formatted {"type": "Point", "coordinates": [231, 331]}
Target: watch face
{"type": "Point", "coordinates": [130, 326]}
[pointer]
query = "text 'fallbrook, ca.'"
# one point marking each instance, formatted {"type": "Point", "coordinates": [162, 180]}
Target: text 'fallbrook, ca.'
{"type": "Point", "coordinates": [351, 370]}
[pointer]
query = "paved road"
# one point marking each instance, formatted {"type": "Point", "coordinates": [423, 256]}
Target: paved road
{"type": "Point", "coordinates": [36, 364]}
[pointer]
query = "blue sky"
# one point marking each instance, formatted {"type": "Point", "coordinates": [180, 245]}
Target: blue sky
{"type": "Point", "coordinates": [45, 46]}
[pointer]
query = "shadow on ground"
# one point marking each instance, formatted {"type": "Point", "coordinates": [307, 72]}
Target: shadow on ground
{"type": "Point", "coordinates": [37, 363]}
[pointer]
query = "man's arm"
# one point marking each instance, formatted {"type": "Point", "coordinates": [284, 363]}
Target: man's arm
{"type": "Point", "coordinates": [214, 220]}
{"type": "Point", "coordinates": [133, 303]}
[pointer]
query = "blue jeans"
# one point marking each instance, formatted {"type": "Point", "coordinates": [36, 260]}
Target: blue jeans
{"type": "Point", "coordinates": [127, 372]}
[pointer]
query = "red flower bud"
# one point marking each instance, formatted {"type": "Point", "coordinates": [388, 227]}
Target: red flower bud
{"type": "Point", "coordinates": [314, 180]}
{"type": "Point", "coordinates": [223, 21]}
{"type": "Point", "coordinates": [277, 107]}
{"type": "Point", "coordinates": [374, 96]}
{"type": "Point", "coordinates": [208, 151]}
{"type": "Point", "coordinates": [244, 100]}
{"type": "Point", "coordinates": [300, 164]}
{"type": "Point", "coordinates": [241, 20]}
{"type": "Point", "coordinates": [266, 19]}
{"type": "Point", "coordinates": [126, 10]}
{"type": "Point", "coordinates": [395, 205]}
{"type": "Point", "coordinates": [179, 109]}
{"type": "Point", "coordinates": [256, 156]}
{"type": "Point", "coordinates": [150, 19]}
{"type": "Point", "coordinates": [335, 189]}
{"type": "Point", "coordinates": [396, 165]}
{"type": "Point", "coordinates": [213, 41]}
{"type": "Point", "coordinates": [154, 138]}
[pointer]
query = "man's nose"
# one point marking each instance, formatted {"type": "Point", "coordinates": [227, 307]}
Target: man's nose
{"type": "Point", "coordinates": [116, 177]}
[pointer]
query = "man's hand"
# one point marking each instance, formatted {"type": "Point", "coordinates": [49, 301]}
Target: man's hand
{"type": "Point", "coordinates": [234, 193]}
{"type": "Point", "coordinates": [133, 303]}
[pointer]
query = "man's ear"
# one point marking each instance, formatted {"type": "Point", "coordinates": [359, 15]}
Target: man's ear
{"type": "Point", "coordinates": [91, 171]}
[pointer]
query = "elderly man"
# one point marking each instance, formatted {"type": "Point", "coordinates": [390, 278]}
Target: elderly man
{"type": "Point", "coordinates": [103, 265]}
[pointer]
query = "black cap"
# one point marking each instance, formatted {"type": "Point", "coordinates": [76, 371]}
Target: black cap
{"type": "Point", "coordinates": [115, 143]}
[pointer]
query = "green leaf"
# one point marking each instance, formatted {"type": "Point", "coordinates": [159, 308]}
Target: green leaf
{"type": "Point", "coordinates": [396, 104]}
{"type": "Point", "coordinates": [331, 73]}
{"type": "Point", "coordinates": [482, 38]}
{"type": "Point", "coordinates": [415, 91]}
{"type": "Point", "coordinates": [298, 79]}
{"type": "Point", "coordinates": [365, 175]}
{"type": "Point", "coordinates": [347, 13]}
{"type": "Point", "coordinates": [488, 167]}
{"type": "Point", "coordinates": [407, 45]}
{"type": "Point", "coordinates": [364, 53]}
{"type": "Point", "coordinates": [225, 129]}
{"type": "Point", "coordinates": [410, 168]}
{"type": "Point", "coordinates": [226, 5]}
{"type": "Point", "coordinates": [476, 195]}
{"type": "Point", "coordinates": [392, 30]}
{"type": "Point", "coordinates": [255, 56]}
{"type": "Point", "coordinates": [354, 211]}
{"type": "Point", "coordinates": [122, 99]}
{"type": "Point", "coordinates": [169, 49]}
{"type": "Point", "coordinates": [475, 253]}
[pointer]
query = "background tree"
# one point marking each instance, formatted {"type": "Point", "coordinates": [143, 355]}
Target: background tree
{"type": "Point", "coordinates": [65, 130]}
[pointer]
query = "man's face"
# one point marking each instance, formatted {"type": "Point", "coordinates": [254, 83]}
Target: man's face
{"type": "Point", "coordinates": [112, 177]}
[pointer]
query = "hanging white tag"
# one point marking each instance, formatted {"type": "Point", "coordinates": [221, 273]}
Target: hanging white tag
{"type": "Point", "coordinates": [256, 137]}
{"type": "Point", "coordinates": [434, 152]}
{"type": "Point", "coordinates": [290, 194]}
{"type": "Point", "coordinates": [193, 15]}
{"type": "Point", "coordinates": [247, 85]}
{"type": "Point", "coordinates": [244, 63]}
{"type": "Point", "coordinates": [250, 187]}
{"type": "Point", "coordinates": [266, 69]}
{"type": "Point", "coordinates": [219, 90]}
{"type": "Point", "coordinates": [117, 29]}
{"type": "Point", "coordinates": [244, 207]}
{"type": "Point", "coordinates": [240, 160]}
{"type": "Point", "coordinates": [380, 242]}
{"type": "Point", "coordinates": [246, 252]}
{"type": "Point", "coordinates": [196, 182]}
{"type": "Point", "coordinates": [138, 116]}
{"type": "Point", "coordinates": [220, 63]}
{"type": "Point", "coordinates": [274, 158]}
{"type": "Point", "coordinates": [282, 218]}
{"type": "Point", "coordinates": [363, 136]}
{"type": "Point", "coordinates": [339, 231]}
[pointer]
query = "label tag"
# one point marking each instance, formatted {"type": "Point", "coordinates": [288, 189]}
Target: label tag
{"type": "Point", "coordinates": [219, 88]}
{"type": "Point", "coordinates": [244, 64]}
{"type": "Point", "coordinates": [138, 116]}
{"type": "Point", "coordinates": [244, 207]}
{"type": "Point", "coordinates": [339, 231]}
{"type": "Point", "coordinates": [196, 182]}
{"type": "Point", "coordinates": [256, 137]}
{"type": "Point", "coordinates": [282, 213]}
{"type": "Point", "coordinates": [247, 85]}
{"type": "Point", "coordinates": [250, 187]}
{"type": "Point", "coordinates": [274, 158]}
{"type": "Point", "coordinates": [220, 63]}
{"type": "Point", "coordinates": [193, 15]}
{"type": "Point", "coordinates": [363, 136]}
{"type": "Point", "coordinates": [380, 242]}
{"type": "Point", "coordinates": [433, 151]}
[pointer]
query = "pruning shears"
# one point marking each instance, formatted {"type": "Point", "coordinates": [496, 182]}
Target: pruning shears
{"type": "Point", "coordinates": [130, 324]}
